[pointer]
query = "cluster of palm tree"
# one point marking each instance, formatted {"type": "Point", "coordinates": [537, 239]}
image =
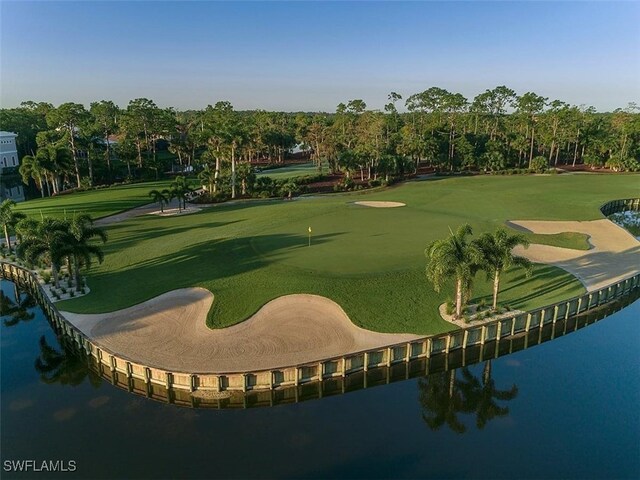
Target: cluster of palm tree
{"type": "Point", "coordinates": [458, 258]}
{"type": "Point", "coordinates": [179, 189]}
{"type": "Point", "coordinates": [70, 145]}
{"type": "Point", "coordinates": [443, 397]}
{"type": "Point", "coordinates": [61, 242]}
{"type": "Point", "coordinates": [9, 218]}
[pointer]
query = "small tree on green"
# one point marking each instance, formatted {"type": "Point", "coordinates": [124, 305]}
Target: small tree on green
{"type": "Point", "coordinates": [160, 198]}
{"type": "Point", "coordinates": [497, 256]}
{"type": "Point", "coordinates": [453, 257]}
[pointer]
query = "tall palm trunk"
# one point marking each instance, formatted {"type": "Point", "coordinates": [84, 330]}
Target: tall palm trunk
{"type": "Point", "coordinates": [55, 274]}
{"type": "Point", "coordinates": [6, 237]}
{"type": "Point", "coordinates": [459, 285]}
{"type": "Point", "coordinates": [233, 171]}
{"type": "Point", "coordinates": [496, 286]}
{"type": "Point", "coordinates": [76, 272]}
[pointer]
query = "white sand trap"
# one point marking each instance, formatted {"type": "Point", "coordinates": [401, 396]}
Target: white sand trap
{"type": "Point", "coordinates": [615, 253]}
{"type": "Point", "coordinates": [171, 212]}
{"type": "Point", "coordinates": [169, 332]}
{"type": "Point", "coordinates": [376, 204]}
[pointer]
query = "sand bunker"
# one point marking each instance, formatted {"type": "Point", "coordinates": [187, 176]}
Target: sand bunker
{"type": "Point", "coordinates": [171, 212]}
{"type": "Point", "coordinates": [615, 254]}
{"type": "Point", "coordinates": [169, 332]}
{"type": "Point", "coordinates": [376, 204]}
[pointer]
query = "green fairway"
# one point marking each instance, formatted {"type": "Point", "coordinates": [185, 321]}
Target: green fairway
{"type": "Point", "coordinates": [370, 261]}
{"type": "Point", "coordinates": [98, 203]}
{"type": "Point", "coordinates": [294, 171]}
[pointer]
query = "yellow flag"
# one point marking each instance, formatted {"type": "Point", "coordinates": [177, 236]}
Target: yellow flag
{"type": "Point", "coordinates": [309, 229]}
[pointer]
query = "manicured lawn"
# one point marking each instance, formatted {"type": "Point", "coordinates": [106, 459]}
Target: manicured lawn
{"type": "Point", "coordinates": [294, 171]}
{"type": "Point", "coordinates": [99, 203]}
{"type": "Point", "coordinates": [370, 261]}
{"type": "Point", "coordinates": [573, 240]}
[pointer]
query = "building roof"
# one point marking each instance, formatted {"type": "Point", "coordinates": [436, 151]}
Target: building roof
{"type": "Point", "coordinates": [8, 134]}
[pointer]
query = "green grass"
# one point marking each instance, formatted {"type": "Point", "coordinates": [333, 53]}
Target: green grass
{"type": "Point", "coordinates": [370, 261]}
{"type": "Point", "coordinates": [573, 240]}
{"type": "Point", "coordinates": [98, 203]}
{"type": "Point", "coordinates": [294, 171]}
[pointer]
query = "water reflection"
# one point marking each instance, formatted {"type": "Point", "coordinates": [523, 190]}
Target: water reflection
{"type": "Point", "coordinates": [16, 308]}
{"type": "Point", "coordinates": [443, 397]}
{"type": "Point", "coordinates": [66, 367]}
{"type": "Point", "coordinates": [447, 388]}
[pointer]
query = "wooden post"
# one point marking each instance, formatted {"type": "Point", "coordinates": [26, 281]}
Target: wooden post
{"type": "Point", "coordinates": [112, 363]}
{"type": "Point", "coordinates": [579, 305]}
{"type": "Point", "coordinates": [272, 376]}
{"type": "Point", "coordinates": [129, 370]}
{"type": "Point", "coordinates": [527, 325]}
{"type": "Point", "coordinates": [168, 380]}
{"type": "Point", "coordinates": [447, 344]}
{"type": "Point", "coordinates": [429, 347]}
{"type": "Point", "coordinates": [389, 351]}
{"type": "Point", "coordinates": [244, 382]}
{"type": "Point", "coordinates": [297, 379]}
{"type": "Point", "coordinates": [465, 338]}
{"type": "Point", "coordinates": [566, 314]}
{"type": "Point", "coordinates": [590, 300]}
{"type": "Point", "coordinates": [320, 372]}
{"type": "Point", "coordinates": [407, 356]}
{"type": "Point", "coordinates": [483, 334]}
{"type": "Point", "coordinates": [147, 374]}
{"type": "Point", "coordinates": [366, 361]}
{"type": "Point", "coordinates": [498, 330]}
{"type": "Point", "coordinates": [555, 314]}
{"type": "Point", "coordinates": [344, 366]}
{"type": "Point", "coordinates": [513, 325]}
{"type": "Point", "coordinates": [193, 383]}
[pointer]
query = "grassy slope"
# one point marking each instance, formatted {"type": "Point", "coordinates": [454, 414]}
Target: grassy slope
{"type": "Point", "coordinates": [370, 261]}
{"type": "Point", "coordinates": [98, 203]}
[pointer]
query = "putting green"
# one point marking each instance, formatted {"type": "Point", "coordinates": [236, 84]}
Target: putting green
{"type": "Point", "coordinates": [368, 260]}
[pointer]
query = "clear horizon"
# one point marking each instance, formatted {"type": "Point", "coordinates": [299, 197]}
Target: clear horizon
{"type": "Point", "coordinates": [312, 56]}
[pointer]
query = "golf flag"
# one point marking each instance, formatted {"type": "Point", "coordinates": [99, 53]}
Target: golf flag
{"type": "Point", "coordinates": [309, 229]}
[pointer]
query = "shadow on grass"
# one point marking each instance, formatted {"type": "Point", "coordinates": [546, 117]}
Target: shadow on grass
{"type": "Point", "coordinates": [197, 264]}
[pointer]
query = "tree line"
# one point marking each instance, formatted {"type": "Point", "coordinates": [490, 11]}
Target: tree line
{"type": "Point", "coordinates": [71, 146]}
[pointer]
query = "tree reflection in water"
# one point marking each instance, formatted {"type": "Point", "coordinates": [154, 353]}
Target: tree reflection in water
{"type": "Point", "coordinates": [17, 310]}
{"type": "Point", "coordinates": [68, 367]}
{"type": "Point", "coordinates": [443, 397]}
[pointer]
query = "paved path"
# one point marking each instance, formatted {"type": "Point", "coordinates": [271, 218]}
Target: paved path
{"type": "Point", "coordinates": [169, 332]}
{"type": "Point", "coordinates": [615, 253]}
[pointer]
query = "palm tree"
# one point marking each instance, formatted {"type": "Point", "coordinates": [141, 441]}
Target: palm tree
{"type": "Point", "coordinates": [45, 240]}
{"type": "Point", "coordinates": [497, 256]}
{"type": "Point", "coordinates": [9, 219]}
{"type": "Point", "coordinates": [453, 257]}
{"type": "Point", "coordinates": [160, 198]}
{"type": "Point", "coordinates": [81, 233]}
{"type": "Point", "coordinates": [481, 396]}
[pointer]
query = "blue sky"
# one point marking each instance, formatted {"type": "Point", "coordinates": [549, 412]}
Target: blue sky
{"type": "Point", "coordinates": [313, 55]}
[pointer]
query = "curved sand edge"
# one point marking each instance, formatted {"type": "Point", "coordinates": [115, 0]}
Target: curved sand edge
{"type": "Point", "coordinates": [377, 204]}
{"type": "Point", "coordinates": [169, 332]}
{"type": "Point", "coordinates": [615, 253]}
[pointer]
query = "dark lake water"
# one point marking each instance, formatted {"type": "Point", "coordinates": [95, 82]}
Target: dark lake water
{"type": "Point", "coordinates": [565, 409]}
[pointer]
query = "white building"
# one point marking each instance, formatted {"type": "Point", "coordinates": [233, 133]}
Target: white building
{"type": "Point", "coordinates": [10, 182]}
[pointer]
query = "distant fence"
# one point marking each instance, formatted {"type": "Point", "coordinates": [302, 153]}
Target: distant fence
{"type": "Point", "coordinates": [518, 324]}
